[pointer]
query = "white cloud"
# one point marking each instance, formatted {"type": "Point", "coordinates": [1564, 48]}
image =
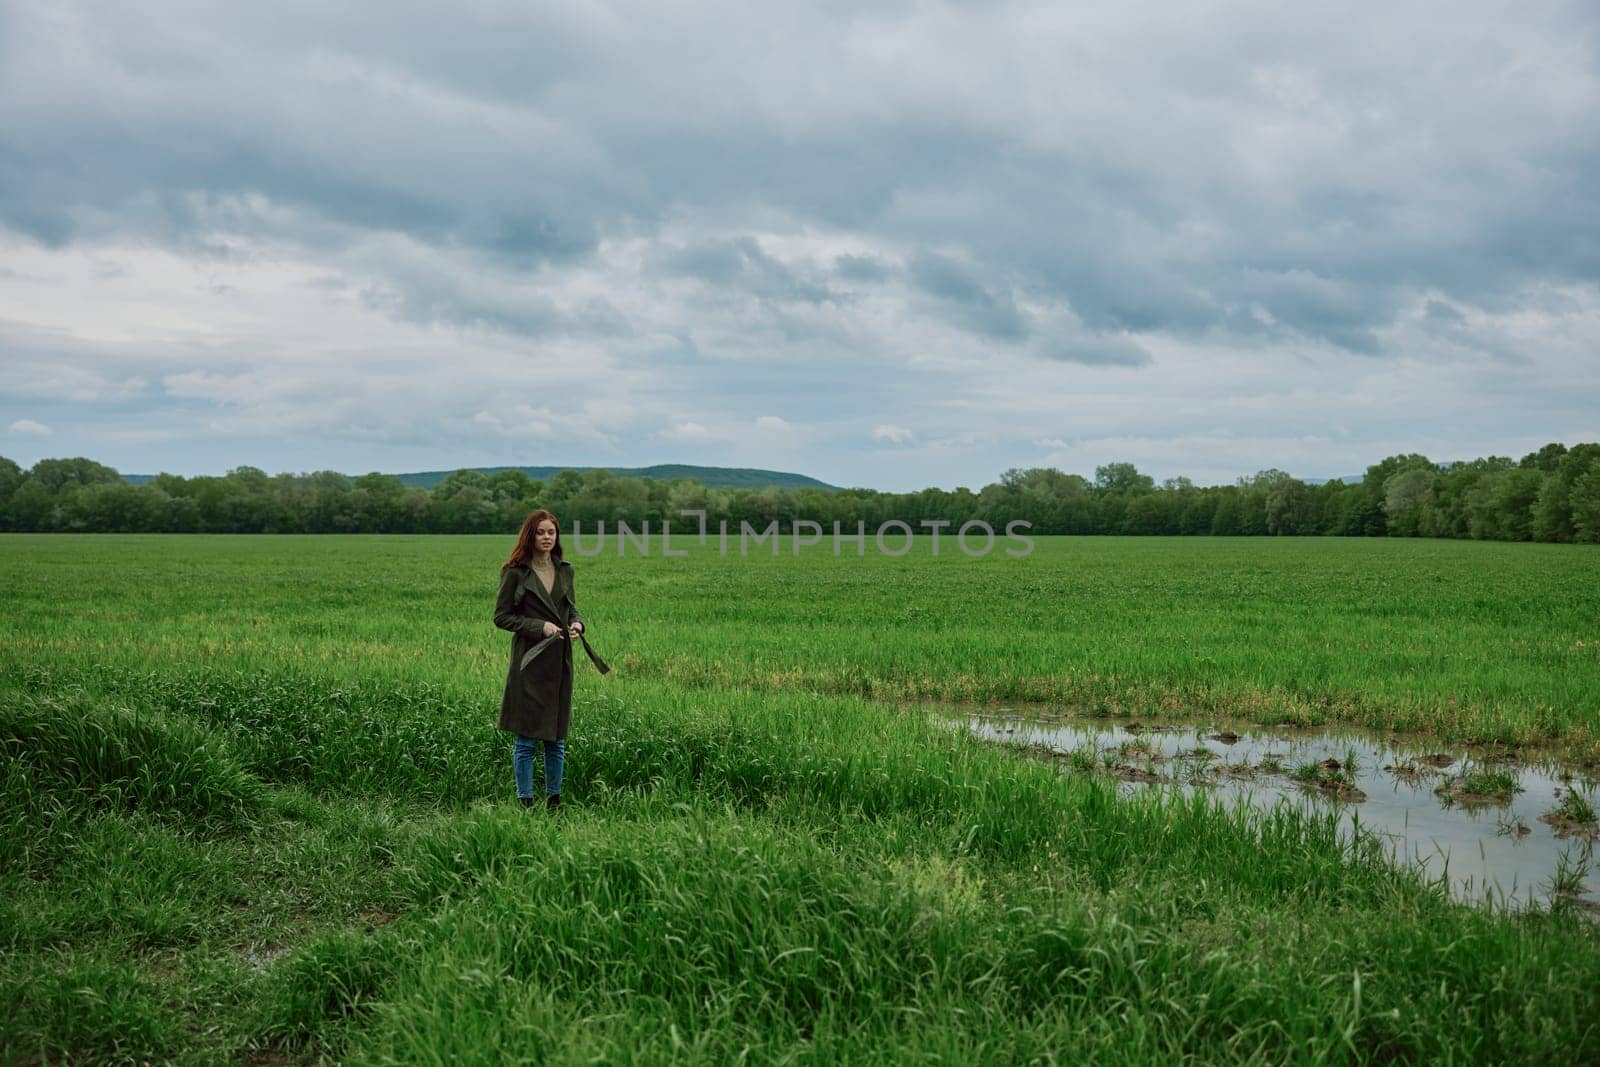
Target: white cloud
{"type": "Point", "coordinates": [29, 426]}
{"type": "Point", "coordinates": [896, 435]}
{"type": "Point", "coordinates": [687, 431]}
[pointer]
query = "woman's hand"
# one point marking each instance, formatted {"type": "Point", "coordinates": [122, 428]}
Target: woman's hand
{"type": "Point", "coordinates": [575, 629]}
{"type": "Point", "coordinates": [551, 630]}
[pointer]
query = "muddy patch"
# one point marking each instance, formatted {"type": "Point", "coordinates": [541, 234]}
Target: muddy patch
{"type": "Point", "coordinates": [1493, 826]}
{"type": "Point", "coordinates": [1332, 779]}
{"type": "Point", "coordinates": [1573, 816]}
{"type": "Point", "coordinates": [260, 958]}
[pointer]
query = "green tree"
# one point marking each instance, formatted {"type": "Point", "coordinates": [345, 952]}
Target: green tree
{"type": "Point", "coordinates": [182, 514]}
{"type": "Point", "coordinates": [11, 478]}
{"type": "Point", "coordinates": [375, 500]}
{"type": "Point", "coordinates": [1375, 521]}
{"type": "Point", "coordinates": [1254, 492]}
{"type": "Point", "coordinates": [1151, 513]}
{"type": "Point", "coordinates": [509, 485]}
{"type": "Point", "coordinates": [327, 503]}
{"type": "Point", "coordinates": [1546, 459]}
{"type": "Point", "coordinates": [107, 507]}
{"type": "Point", "coordinates": [1406, 494]}
{"type": "Point", "coordinates": [1500, 505]}
{"type": "Point", "coordinates": [1225, 519]}
{"type": "Point", "coordinates": [414, 509]}
{"type": "Point", "coordinates": [32, 506]}
{"type": "Point", "coordinates": [1585, 497]}
{"type": "Point", "coordinates": [458, 481]}
{"type": "Point", "coordinates": [1551, 494]}
{"type": "Point", "coordinates": [1199, 512]}
{"type": "Point", "coordinates": [1122, 478]}
{"type": "Point", "coordinates": [249, 479]}
{"type": "Point", "coordinates": [58, 474]}
{"type": "Point", "coordinates": [1290, 509]}
{"type": "Point", "coordinates": [1553, 511]}
{"type": "Point", "coordinates": [563, 487]}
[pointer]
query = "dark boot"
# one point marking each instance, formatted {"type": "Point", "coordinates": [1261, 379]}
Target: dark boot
{"type": "Point", "coordinates": [553, 802]}
{"type": "Point", "coordinates": [526, 802]}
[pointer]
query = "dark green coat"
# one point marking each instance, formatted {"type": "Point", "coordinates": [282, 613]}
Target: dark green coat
{"type": "Point", "coordinates": [538, 696]}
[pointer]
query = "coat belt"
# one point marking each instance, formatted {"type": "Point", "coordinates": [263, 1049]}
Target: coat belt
{"type": "Point", "coordinates": [529, 656]}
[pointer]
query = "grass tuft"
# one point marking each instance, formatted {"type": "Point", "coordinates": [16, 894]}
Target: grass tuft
{"type": "Point", "coordinates": [77, 751]}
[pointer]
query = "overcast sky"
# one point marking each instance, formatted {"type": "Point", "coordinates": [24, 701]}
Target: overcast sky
{"type": "Point", "coordinates": [884, 244]}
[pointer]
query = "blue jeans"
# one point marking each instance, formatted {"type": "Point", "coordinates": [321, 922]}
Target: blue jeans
{"type": "Point", "coordinates": [555, 756]}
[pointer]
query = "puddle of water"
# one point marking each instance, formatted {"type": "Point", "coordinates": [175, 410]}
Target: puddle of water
{"type": "Point", "coordinates": [1493, 848]}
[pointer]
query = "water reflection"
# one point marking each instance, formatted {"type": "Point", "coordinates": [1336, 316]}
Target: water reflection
{"type": "Point", "coordinates": [1475, 816]}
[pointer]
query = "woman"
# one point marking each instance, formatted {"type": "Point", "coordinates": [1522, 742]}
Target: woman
{"type": "Point", "coordinates": [536, 605]}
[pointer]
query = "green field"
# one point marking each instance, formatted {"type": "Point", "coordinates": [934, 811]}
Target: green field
{"type": "Point", "coordinates": [254, 805]}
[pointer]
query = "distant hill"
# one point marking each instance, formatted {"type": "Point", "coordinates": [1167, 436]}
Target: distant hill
{"type": "Point", "coordinates": [1348, 479]}
{"type": "Point", "coordinates": [712, 477]}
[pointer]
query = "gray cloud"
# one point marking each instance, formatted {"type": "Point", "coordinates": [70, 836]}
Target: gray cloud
{"type": "Point", "coordinates": [861, 269]}
{"type": "Point", "coordinates": [966, 300]}
{"type": "Point", "coordinates": [1205, 162]}
{"type": "Point", "coordinates": [741, 264]}
{"type": "Point", "coordinates": [753, 195]}
{"type": "Point", "coordinates": [1099, 351]}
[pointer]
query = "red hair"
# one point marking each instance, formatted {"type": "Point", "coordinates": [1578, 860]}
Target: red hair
{"type": "Point", "coordinates": [524, 550]}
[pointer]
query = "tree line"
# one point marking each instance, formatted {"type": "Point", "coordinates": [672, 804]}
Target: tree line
{"type": "Point", "coordinates": [1549, 495]}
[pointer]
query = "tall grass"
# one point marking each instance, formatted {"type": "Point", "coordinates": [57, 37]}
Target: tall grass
{"type": "Point", "coordinates": [253, 805]}
{"type": "Point", "coordinates": [1481, 640]}
{"type": "Point", "coordinates": [118, 757]}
